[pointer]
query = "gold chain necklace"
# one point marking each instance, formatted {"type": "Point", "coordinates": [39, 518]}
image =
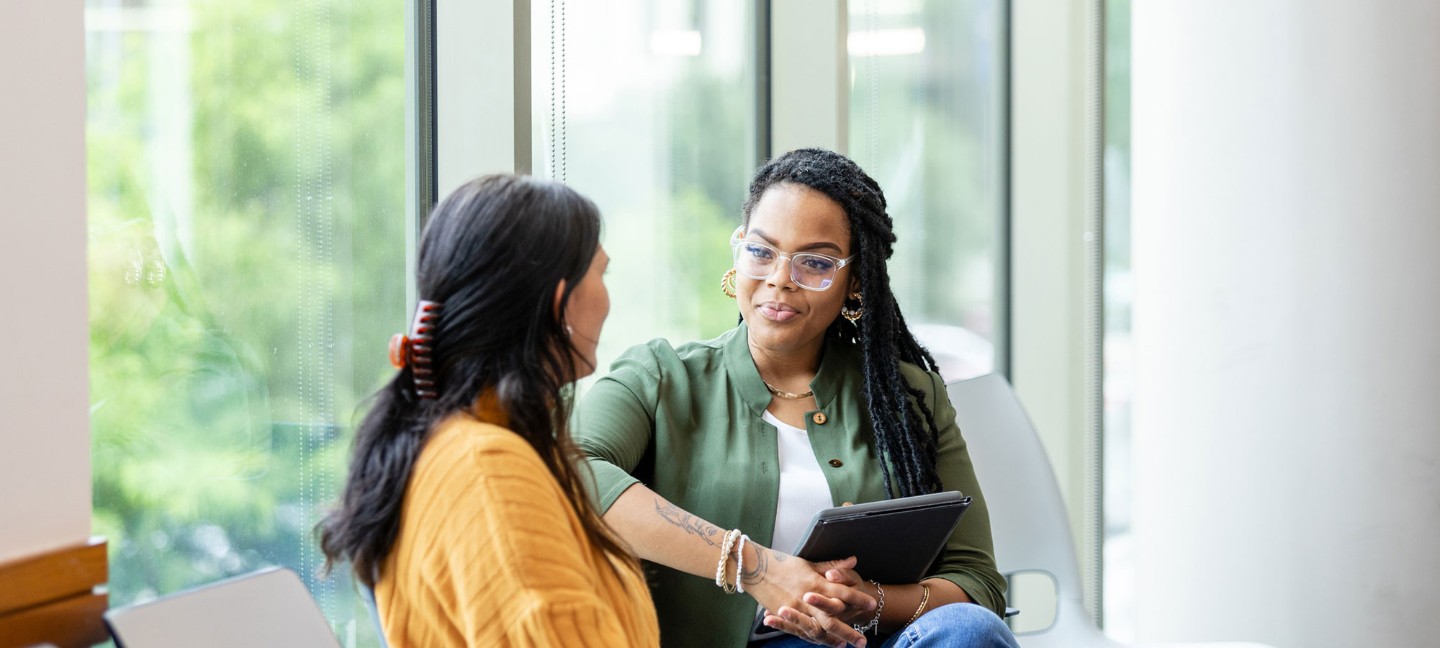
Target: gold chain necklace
{"type": "Point", "coordinates": [780, 393]}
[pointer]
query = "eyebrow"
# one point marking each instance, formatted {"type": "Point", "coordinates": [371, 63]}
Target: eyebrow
{"type": "Point", "coordinates": [821, 245]}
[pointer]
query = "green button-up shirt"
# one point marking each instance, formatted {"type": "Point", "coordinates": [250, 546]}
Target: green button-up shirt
{"type": "Point", "coordinates": [686, 422]}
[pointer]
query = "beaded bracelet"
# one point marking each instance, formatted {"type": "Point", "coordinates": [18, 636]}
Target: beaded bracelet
{"type": "Point", "coordinates": [880, 594]}
{"type": "Point", "coordinates": [740, 564]}
{"type": "Point", "coordinates": [924, 598]}
{"type": "Point", "coordinates": [725, 547]}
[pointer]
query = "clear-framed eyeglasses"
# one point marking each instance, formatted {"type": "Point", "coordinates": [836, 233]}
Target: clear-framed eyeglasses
{"type": "Point", "coordinates": [808, 270]}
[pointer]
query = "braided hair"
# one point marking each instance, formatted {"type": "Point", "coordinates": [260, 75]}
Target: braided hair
{"type": "Point", "coordinates": [906, 437]}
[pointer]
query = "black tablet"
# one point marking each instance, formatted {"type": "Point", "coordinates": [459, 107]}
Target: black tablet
{"type": "Point", "coordinates": [893, 541]}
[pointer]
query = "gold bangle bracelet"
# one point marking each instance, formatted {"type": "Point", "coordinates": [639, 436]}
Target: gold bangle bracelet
{"type": "Point", "coordinates": [924, 599]}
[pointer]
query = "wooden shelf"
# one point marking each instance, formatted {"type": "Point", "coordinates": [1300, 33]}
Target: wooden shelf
{"type": "Point", "coordinates": [57, 597]}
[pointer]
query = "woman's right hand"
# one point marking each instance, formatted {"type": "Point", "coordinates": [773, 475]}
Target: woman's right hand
{"type": "Point", "coordinates": [779, 582]}
{"type": "Point", "coordinates": [664, 533]}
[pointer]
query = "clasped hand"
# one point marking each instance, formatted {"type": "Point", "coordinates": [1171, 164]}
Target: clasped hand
{"type": "Point", "coordinates": [814, 601]}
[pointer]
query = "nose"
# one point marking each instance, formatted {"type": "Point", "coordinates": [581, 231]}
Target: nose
{"type": "Point", "coordinates": [786, 279]}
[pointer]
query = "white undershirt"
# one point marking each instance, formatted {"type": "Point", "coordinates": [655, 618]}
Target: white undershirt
{"type": "Point", "coordinates": [803, 489]}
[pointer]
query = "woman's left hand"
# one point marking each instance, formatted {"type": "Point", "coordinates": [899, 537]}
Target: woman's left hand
{"type": "Point", "coordinates": [781, 587]}
{"type": "Point", "coordinates": [836, 607]}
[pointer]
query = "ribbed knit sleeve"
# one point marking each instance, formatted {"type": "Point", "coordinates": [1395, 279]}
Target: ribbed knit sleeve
{"type": "Point", "coordinates": [490, 553]}
{"type": "Point", "coordinates": [579, 624]}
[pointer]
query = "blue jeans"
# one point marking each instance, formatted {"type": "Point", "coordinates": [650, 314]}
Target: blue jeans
{"type": "Point", "coordinates": [958, 625]}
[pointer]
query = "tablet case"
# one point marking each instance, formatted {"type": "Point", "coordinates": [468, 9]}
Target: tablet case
{"type": "Point", "coordinates": [894, 541]}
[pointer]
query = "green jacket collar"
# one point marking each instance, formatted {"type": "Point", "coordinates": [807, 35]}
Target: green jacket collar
{"type": "Point", "coordinates": [835, 362]}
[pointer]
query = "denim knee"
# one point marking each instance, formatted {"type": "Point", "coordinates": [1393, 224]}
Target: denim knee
{"type": "Point", "coordinates": [956, 624]}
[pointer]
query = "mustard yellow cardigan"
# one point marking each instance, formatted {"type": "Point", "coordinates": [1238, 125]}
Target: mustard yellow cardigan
{"type": "Point", "coordinates": [490, 554]}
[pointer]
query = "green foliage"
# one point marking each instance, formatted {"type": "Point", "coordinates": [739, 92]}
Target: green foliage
{"type": "Point", "coordinates": [246, 199]}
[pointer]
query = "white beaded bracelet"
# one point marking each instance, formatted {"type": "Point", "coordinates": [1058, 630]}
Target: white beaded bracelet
{"type": "Point", "coordinates": [725, 547]}
{"type": "Point", "coordinates": [740, 564]}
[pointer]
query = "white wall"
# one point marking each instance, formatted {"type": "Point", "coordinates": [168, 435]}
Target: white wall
{"type": "Point", "coordinates": [1287, 321]}
{"type": "Point", "coordinates": [44, 332]}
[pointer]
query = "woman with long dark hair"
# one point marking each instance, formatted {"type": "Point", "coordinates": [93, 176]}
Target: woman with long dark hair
{"type": "Point", "coordinates": [465, 508]}
{"type": "Point", "coordinates": [708, 454]}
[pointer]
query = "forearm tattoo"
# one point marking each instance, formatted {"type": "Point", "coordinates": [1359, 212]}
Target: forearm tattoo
{"type": "Point", "coordinates": [691, 524]}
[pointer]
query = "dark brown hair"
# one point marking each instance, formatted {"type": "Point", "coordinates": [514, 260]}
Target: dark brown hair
{"type": "Point", "coordinates": [493, 253]}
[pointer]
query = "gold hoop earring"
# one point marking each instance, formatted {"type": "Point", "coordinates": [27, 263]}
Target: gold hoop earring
{"type": "Point", "coordinates": [727, 283]}
{"type": "Point", "coordinates": [854, 314]}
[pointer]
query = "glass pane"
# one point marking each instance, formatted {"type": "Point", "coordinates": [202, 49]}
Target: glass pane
{"type": "Point", "coordinates": [1119, 369]}
{"type": "Point", "coordinates": [653, 118]}
{"type": "Point", "coordinates": [247, 265]}
{"type": "Point", "coordinates": [926, 118]}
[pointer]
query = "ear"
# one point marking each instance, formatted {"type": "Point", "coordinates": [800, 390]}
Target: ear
{"type": "Point", "coordinates": [559, 295]}
{"type": "Point", "coordinates": [854, 285]}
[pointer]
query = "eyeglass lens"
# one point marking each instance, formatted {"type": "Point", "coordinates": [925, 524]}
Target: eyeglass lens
{"type": "Point", "coordinates": [757, 261]}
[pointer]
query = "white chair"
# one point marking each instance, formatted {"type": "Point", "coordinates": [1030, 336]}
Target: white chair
{"type": "Point", "coordinates": [1027, 515]}
{"type": "Point", "coordinates": [270, 607]}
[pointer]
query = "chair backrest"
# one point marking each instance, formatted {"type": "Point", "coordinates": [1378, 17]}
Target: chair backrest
{"type": "Point", "coordinates": [270, 607]}
{"type": "Point", "coordinates": [1027, 515]}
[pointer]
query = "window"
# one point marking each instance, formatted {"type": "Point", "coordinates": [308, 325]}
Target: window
{"type": "Point", "coordinates": [246, 195]}
{"type": "Point", "coordinates": [1119, 369]}
{"type": "Point", "coordinates": [648, 108]}
{"type": "Point", "coordinates": [927, 122]}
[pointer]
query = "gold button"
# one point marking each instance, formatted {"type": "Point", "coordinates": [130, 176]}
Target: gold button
{"type": "Point", "coordinates": [819, 418]}
{"type": "Point", "coordinates": [836, 463]}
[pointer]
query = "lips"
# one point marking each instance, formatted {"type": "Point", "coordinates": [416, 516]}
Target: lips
{"type": "Point", "coordinates": [777, 311]}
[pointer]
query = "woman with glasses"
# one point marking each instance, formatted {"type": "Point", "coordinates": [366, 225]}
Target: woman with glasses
{"type": "Point", "coordinates": [710, 456]}
{"type": "Point", "coordinates": [465, 509]}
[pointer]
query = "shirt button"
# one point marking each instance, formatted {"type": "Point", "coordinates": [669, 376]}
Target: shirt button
{"type": "Point", "coordinates": [836, 463]}
{"type": "Point", "coordinates": [819, 418]}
